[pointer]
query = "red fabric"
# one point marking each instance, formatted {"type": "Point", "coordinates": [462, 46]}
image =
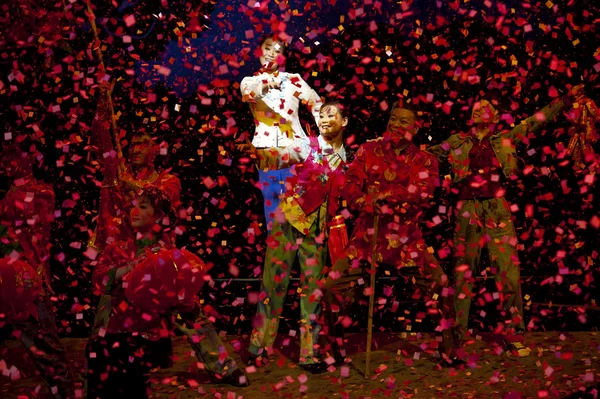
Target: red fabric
{"type": "Point", "coordinates": [338, 240]}
{"type": "Point", "coordinates": [125, 317]}
{"type": "Point", "coordinates": [151, 285]}
{"type": "Point", "coordinates": [315, 181]}
{"type": "Point", "coordinates": [27, 211]}
{"type": "Point", "coordinates": [485, 173]}
{"type": "Point", "coordinates": [115, 200]}
{"type": "Point", "coordinates": [407, 180]}
{"type": "Point", "coordinates": [160, 281]}
{"type": "Point", "coordinates": [20, 287]}
{"type": "Point", "coordinates": [165, 280]}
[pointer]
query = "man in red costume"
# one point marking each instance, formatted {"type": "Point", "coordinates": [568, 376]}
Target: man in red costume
{"type": "Point", "coordinates": [121, 182]}
{"type": "Point", "coordinates": [393, 178]}
{"type": "Point", "coordinates": [26, 214]}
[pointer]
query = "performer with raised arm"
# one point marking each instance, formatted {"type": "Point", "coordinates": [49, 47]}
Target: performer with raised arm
{"type": "Point", "coordinates": [119, 188]}
{"type": "Point", "coordinates": [482, 163]}
{"type": "Point", "coordinates": [391, 177]}
{"type": "Point", "coordinates": [300, 231]}
{"type": "Point", "coordinates": [121, 180]}
{"type": "Point", "coordinates": [26, 215]}
{"type": "Point", "coordinates": [274, 97]}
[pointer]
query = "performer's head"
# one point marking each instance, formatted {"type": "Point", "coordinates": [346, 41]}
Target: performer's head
{"type": "Point", "coordinates": [403, 122]}
{"type": "Point", "coordinates": [271, 52]}
{"type": "Point", "coordinates": [333, 118]}
{"type": "Point", "coordinates": [16, 158]}
{"type": "Point", "coordinates": [152, 213]}
{"type": "Point", "coordinates": [142, 150]}
{"type": "Point", "coordinates": [484, 113]}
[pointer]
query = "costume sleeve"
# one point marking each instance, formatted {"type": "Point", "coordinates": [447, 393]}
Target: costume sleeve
{"type": "Point", "coordinates": [112, 258]}
{"type": "Point", "coordinates": [535, 122]}
{"type": "Point", "coordinates": [252, 88]}
{"type": "Point", "coordinates": [310, 98]}
{"type": "Point", "coordinates": [280, 158]}
{"type": "Point", "coordinates": [102, 140]}
{"type": "Point", "coordinates": [440, 151]}
{"type": "Point", "coordinates": [356, 178]}
{"type": "Point", "coordinates": [171, 186]}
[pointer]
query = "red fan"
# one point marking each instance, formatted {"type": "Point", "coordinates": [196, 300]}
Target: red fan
{"type": "Point", "coordinates": [20, 287]}
{"type": "Point", "coordinates": [165, 280]}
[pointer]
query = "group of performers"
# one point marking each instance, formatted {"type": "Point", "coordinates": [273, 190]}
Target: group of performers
{"type": "Point", "coordinates": [312, 186]}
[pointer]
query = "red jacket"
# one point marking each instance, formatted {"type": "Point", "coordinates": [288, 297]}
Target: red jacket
{"type": "Point", "coordinates": [406, 177]}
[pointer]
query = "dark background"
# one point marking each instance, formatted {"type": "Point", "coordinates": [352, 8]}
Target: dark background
{"type": "Point", "coordinates": [179, 67]}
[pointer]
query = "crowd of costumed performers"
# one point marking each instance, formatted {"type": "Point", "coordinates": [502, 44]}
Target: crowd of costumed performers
{"type": "Point", "coordinates": [313, 188]}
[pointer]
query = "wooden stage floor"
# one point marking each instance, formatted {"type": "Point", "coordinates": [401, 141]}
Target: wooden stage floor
{"type": "Point", "coordinates": [561, 365]}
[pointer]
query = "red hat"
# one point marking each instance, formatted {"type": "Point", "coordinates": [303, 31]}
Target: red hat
{"type": "Point", "coordinates": [165, 279]}
{"type": "Point", "coordinates": [20, 287]}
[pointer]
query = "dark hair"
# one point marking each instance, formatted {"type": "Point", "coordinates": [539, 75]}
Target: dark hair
{"type": "Point", "coordinates": [161, 202]}
{"type": "Point", "coordinates": [342, 109]}
{"type": "Point", "coordinates": [272, 36]}
{"type": "Point", "coordinates": [405, 105]}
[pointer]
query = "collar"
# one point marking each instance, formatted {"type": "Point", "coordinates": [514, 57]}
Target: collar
{"type": "Point", "coordinates": [327, 149]}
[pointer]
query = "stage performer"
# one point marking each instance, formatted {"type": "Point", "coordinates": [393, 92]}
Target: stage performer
{"type": "Point", "coordinates": [393, 178]}
{"type": "Point", "coordinates": [121, 180]}
{"type": "Point", "coordinates": [26, 215]}
{"type": "Point", "coordinates": [274, 97]}
{"type": "Point", "coordinates": [483, 161]}
{"type": "Point", "coordinates": [149, 281]}
{"type": "Point", "coordinates": [300, 231]}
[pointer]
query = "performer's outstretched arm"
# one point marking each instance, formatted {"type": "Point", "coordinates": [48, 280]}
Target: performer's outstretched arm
{"type": "Point", "coordinates": [541, 117]}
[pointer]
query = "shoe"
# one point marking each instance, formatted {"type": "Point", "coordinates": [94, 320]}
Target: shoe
{"type": "Point", "coordinates": [237, 379]}
{"type": "Point", "coordinates": [517, 349]}
{"type": "Point", "coordinates": [258, 361]}
{"type": "Point", "coordinates": [451, 361]}
{"type": "Point", "coordinates": [315, 368]}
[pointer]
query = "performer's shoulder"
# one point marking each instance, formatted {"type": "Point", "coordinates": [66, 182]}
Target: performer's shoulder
{"type": "Point", "coordinates": [372, 143]}
{"type": "Point", "coordinates": [427, 158]}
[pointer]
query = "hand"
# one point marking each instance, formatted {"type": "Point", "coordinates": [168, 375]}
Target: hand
{"type": "Point", "coordinates": [126, 178]}
{"type": "Point", "coordinates": [273, 82]}
{"type": "Point", "coordinates": [577, 91]}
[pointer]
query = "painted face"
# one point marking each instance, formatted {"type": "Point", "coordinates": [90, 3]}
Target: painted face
{"type": "Point", "coordinates": [402, 121]}
{"type": "Point", "coordinates": [142, 215]}
{"type": "Point", "coordinates": [484, 112]}
{"type": "Point", "coordinates": [271, 54]}
{"type": "Point", "coordinates": [331, 122]}
{"type": "Point", "coordinates": [142, 151]}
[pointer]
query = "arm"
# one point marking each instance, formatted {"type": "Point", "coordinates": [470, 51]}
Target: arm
{"type": "Point", "coordinates": [310, 98]}
{"type": "Point", "coordinates": [280, 158]}
{"type": "Point", "coordinates": [440, 151]}
{"type": "Point", "coordinates": [101, 138]}
{"type": "Point", "coordinates": [254, 87]}
{"type": "Point", "coordinates": [113, 264]}
{"type": "Point", "coordinates": [535, 122]}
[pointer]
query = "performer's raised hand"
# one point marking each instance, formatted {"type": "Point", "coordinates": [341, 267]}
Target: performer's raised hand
{"type": "Point", "coordinates": [577, 91]}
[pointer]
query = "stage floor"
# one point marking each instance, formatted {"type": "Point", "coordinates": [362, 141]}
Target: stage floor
{"type": "Point", "coordinates": [560, 365]}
